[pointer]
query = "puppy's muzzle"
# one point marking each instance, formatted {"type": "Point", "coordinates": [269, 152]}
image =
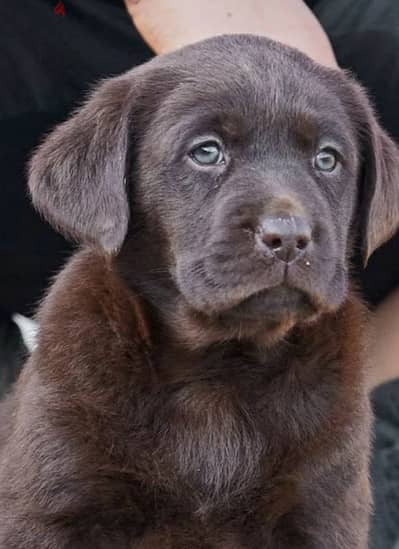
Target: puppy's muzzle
{"type": "Point", "coordinates": [262, 259]}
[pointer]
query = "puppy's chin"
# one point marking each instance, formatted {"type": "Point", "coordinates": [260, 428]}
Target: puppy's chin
{"type": "Point", "coordinates": [272, 305]}
{"type": "Point", "coordinates": [263, 318]}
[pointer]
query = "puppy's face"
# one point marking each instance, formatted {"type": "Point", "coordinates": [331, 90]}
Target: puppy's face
{"type": "Point", "coordinates": [251, 173]}
{"type": "Point", "coordinates": [246, 166]}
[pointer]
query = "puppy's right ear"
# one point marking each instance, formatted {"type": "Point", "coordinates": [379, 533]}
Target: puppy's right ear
{"type": "Point", "coordinates": [77, 177]}
{"type": "Point", "coordinates": [379, 185]}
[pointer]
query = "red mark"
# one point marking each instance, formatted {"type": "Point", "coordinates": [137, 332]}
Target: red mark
{"type": "Point", "coordinates": [59, 9]}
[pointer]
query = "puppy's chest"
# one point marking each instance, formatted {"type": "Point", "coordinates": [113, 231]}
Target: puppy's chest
{"type": "Point", "coordinates": [223, 439]}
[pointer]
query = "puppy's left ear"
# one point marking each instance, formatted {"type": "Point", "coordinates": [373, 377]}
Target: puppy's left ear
{"type": "Point", "coordinates": [379, 205]}
{"type": "Point", "coordinates": [77, 175]}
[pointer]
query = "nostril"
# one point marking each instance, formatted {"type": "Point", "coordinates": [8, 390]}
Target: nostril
{"type": "Point", "coordinates": [302, 243]}
{"type": "Point", "coordinates": [274, 242]}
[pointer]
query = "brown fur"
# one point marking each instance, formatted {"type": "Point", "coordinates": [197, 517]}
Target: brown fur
{"type": "Point", "coordinates": [184, 393]}
{"type": "Point", "coordinates": [216, 454]}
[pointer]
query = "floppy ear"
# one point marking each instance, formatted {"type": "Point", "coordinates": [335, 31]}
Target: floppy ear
{"type": "Point", "coordinates": [77, 175]}
{"type": "Point", "coordinates": [379, 205]}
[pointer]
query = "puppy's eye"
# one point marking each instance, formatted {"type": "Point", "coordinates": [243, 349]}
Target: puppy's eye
{"type": "Point", "coordinates": [208, 154]}
{"type": "Point", "coordinates": [326, 160]}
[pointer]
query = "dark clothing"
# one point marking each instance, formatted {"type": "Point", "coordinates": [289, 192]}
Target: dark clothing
{"type": "Point", "coordinates": [12, 353]}
{"type": "Point", "coordinates": [48, 62]}
{"type": "Point", "coordinates": [385, 468]}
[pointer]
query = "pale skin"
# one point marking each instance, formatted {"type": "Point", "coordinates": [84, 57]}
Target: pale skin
{"type": "Point", "coordinates": [169, 24]}
{"type": "Point", "coordinates": [386, 353]}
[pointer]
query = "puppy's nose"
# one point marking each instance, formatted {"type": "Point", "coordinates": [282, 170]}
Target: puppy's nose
{"type": "Point", "coordinates": [286, 237]}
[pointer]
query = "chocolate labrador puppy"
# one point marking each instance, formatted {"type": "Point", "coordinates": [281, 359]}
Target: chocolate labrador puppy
{"type": "Point", "coordinates": [199, 379]}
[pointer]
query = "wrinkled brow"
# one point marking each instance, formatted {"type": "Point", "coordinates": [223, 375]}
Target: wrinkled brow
{"type": "Point", "coordinates": [228, 126]}
{"type": "Point", "coordinates": [311, 128]}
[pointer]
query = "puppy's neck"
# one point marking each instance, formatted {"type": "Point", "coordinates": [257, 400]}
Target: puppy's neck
{"type": "Point", "coordinates": [188, 346]}
{"type": "Point", "coordinates": [232, 409]}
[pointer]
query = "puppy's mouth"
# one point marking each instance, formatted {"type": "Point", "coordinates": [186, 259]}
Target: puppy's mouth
{"type": "Point", "coordinates": [272, 304]}
{"type": "Point", "coordinates": [266, 301]}
{"type": "Point", "coordinates": [263, 317]}
{"type": "Point", "coordinates": [263, 313]}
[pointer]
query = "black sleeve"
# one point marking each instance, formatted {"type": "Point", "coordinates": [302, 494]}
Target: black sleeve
{"type": "Point", "coordinates": [48, 62]}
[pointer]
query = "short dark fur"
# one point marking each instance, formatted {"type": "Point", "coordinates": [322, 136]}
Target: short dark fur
{"type": "Point", "coordinates": [189, 390]}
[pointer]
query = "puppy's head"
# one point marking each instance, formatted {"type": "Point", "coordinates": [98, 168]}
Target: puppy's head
{"type": "Point", "coordinates": [228, 177]}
